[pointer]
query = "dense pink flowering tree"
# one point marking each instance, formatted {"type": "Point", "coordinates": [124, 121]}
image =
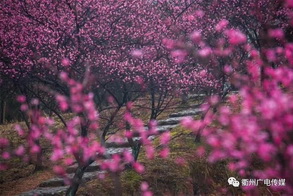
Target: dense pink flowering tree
{"type": "Point", "coordinates": [36, 36]}
{"type": "Point", "coordinates": [256, 124]}
{"type": "Point", "coordinates": [199, 26]}
{"type": "Point", "coordinates": [39, 39]}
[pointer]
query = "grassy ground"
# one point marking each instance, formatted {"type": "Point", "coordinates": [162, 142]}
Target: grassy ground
{"type": "Point", "coordinates": [183, 173]}
{"type": "Point", "coordinates": [21, 176]}
{"type": "Point", "coordinates": [31, 181]}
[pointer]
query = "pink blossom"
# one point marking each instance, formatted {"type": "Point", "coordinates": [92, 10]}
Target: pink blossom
{"type": "Point", "coordinates": [139, 80]}
{"type": "Point", "coordinates": [113, 166]}
{"type": "Point", "coordinates": [59, 170]}
{"type": "Point", "coordinates": [195, 36]}
{"type": "Point", "coordinates": [144, 186]}
{"type": "Point", "coordinates": [222, 25]}
{"type": "Point", "coordinates": [150, 152]}
{"type": "Point", "coordinates": [6, 155]}
{"type": "Point", "coordinates": [65, 62]}
{"type": "Point", "coordinates": [35, 149]}
{"type": "Point", "coordinates": [128, 118]}
{"type": "Point", "coordinates": [147, 193]}
{"type": "Point", "coordinates": [164, 153]}
{"type": "Point", "coordinates": [235, 37]}
{"type": "Point", "coordinates": [35, 101]}
{"type": "Point", "coordinates": [213, 141]}
{"type": "Point", "coordinates": [68, 161]}
{"type": "Point", "coordinates": [169, 44]}
{"type": "Point", "coordinates": [214, 100]}
{"type": "Point", "coordinates": [179, 55]}
{"type": "Point", "coordinates": [129, 105]}
{"type": "Point", "coordinates": [165, 138]}
{"type": "Point", "coordinates": [289, 3]}
{"type": "Point", "coordinates": [199, 13]}
{"type": "Point", "coordinates": [20, 151]}
{"type": "Point", "coordinates": [180, 161]}
{"type": "Point", "coordinates": [276, 33]}
{"type": "Point", "coordinates": [94, 126]}
{"type": "Point", "coordinates": [187, 122]}
{"type": "Point", "coordinates": [101, 176]}
{"type": "Point", "coordinates": [271, 55]}
{"type": "Point", "coordinates": [57, 154]}
{"type": "Point", "coordinates": [139, 168]}
{"type": "Point", "coordinates": [128, 156]}
{"type": "Point", "coordinates": [205, 52]}
{"type": "Point", "coordinates": [64, 76]}
{"type": "Point", "coordinates": [216, 155]}
{"type": "Point", "coordinates": [21, 98]}
{"type": "Point", "coordinates": [137, 53]}
{"type": "Point", "coordinates": [203, 73]}
{"type": "Point", "coordinates": [4, 142]}
{"type": "Point", "coordinates": [228, 69]}
{"type": "Point", "coordinates": [24, 107]}
{"type": "Point", "coordinates": [190, 17]}
{"type": "Point", "coordinates": [266, 151]}
{"type": "Point", "coordinates": [128, 134]}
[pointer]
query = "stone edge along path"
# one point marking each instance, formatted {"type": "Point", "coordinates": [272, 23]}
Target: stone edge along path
{"type": "Point", "coordinates": [56, 186]}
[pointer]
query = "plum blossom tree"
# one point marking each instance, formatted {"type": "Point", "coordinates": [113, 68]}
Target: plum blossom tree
{"type": "Point", "coordinates": [39, 39]}
{"type": "Point", "coordinates": [199, 26]}
{"type": "Point", "coordinates": [256, 124]}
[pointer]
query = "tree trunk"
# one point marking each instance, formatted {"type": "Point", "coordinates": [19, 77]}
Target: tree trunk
{"type": "Point", "coordinates": [135, 150]}
{"type": "Point", "coordinates": [117, 184]}
{"type": "Point", "coordinates": [76, 181]}
{"type": "Point", "coordinates": [184, 98]}
{"type": "Point", "coordinates": [2, 111]}
{"type": "Point", "coordinates": [39, 161]}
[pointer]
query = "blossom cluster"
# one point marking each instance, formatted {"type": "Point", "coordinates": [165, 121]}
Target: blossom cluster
{"type": "Point", "coordinates": [254, 125]}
